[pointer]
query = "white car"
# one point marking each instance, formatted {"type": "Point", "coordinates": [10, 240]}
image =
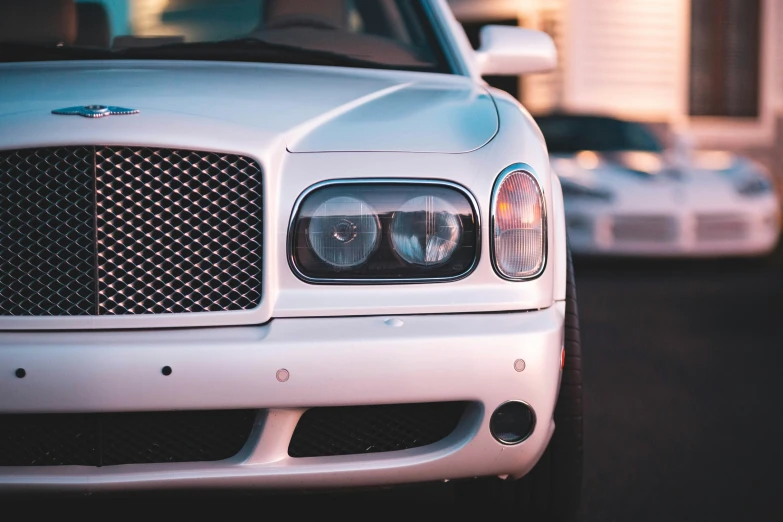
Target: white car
{"type": "Point", "coordinates": [281, 244]}
{"type": "Point", "coordinates": [625, 194]}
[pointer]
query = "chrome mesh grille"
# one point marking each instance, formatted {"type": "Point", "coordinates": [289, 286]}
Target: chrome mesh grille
{"type": "Point", "coordinates": [120, 230]}
{"type": "Point", "coordinates": [178, 231]}
{"type": "Point", "coordinates": [47, 234]}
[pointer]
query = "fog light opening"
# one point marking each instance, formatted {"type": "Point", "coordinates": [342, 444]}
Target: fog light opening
{"type": "Point", "coordinates": [512, 422]}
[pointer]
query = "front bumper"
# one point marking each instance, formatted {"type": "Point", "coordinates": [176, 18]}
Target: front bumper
{"type": "Point", "coordinates": [331, 362]}
{"type": "Point", "coordinates": [676, 234]}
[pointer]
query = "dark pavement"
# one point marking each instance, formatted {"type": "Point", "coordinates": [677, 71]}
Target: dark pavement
{"type": "Point", "coordinates": [682, 367]}
{"type": "Point", "coordinates": [682, 383]}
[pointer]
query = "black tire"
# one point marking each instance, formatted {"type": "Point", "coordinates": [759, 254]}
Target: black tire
{"type": "Point", "coordinates": [553, 489]}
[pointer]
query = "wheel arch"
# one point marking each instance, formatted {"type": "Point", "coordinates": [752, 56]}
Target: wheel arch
{"type": "Point", "coordinates": [557, 239]}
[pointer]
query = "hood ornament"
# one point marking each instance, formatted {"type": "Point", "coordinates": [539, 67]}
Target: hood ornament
{"type": "Point", "coordinates": [95, 111]}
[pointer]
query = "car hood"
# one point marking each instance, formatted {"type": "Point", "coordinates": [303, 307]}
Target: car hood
{"type": "Point", "coordinates": [313, 109]}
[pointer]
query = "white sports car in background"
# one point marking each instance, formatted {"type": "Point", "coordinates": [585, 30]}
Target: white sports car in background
{"type": "Point", "coordinates": [625, 194]}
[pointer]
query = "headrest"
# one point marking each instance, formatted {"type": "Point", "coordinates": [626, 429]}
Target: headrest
{"type": "Point", "coordinates": [94, 30]}
{"type": "Point", "coordinates": [329, 13]}
{"type": "Point", "coordinates": [38, 21]}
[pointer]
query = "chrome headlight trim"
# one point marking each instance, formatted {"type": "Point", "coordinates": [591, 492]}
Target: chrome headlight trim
{"type": "Point", "coordinates": [380, 181]}
{"type": "Point", "coordinates": [511, 169]}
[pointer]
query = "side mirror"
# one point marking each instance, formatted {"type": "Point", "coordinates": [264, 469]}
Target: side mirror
{"type": "Point", "coordinates": [510, 51]}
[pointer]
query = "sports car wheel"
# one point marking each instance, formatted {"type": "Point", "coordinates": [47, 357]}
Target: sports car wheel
{"type": "Point", "coordinates": [552, 490]}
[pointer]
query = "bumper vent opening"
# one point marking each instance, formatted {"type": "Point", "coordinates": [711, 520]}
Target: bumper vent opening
{"type": "Point", "coordinates": [110, 439]}
{"type": "Point", "coordinates": [355, 430]}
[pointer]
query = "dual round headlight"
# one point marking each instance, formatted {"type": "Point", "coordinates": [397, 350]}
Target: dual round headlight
{"type": "Point", "coordinates": [344, 231]}
{"type": "Point", "coordinates": [385, 231]}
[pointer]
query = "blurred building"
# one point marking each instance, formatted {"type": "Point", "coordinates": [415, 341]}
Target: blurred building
{"type": "Point", "coordinates": [711, 68]}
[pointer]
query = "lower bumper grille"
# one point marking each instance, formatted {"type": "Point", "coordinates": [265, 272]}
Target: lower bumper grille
{"type": "Point", "coordinates": [110, 439]}
{"type": "Point", "coordinates": [649, 229]}
{"type": "Point", "coordinates": [354, 430]}
{"type": "Point", "coordinates": [721, 228]}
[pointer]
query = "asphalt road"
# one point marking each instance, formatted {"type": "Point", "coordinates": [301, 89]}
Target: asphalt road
{"type": "Point", "coordinates": [682, 390]}
{"type": "Point", "coordinates": [682, 382]}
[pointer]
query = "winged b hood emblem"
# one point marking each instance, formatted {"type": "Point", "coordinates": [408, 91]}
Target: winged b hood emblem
{"type": "Point", "coordinates": [95, 111]}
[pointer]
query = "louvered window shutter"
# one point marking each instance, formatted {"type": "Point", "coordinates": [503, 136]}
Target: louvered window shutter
{"type": "Point", "coordinates": [724, 65]}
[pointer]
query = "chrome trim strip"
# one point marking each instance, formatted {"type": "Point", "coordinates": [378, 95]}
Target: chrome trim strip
{"type": "Point", "coordinates": [532, 427]}
{"type": "Point", "coordinates": [527, 169]}
{"type": "Point", "coordinates": [381, 181]}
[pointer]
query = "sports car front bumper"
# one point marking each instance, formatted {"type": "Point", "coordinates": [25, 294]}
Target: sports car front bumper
{"type": "Point", "coordinates": [674, 234]}
{"type": "Point", "coordinates": [329, 362]}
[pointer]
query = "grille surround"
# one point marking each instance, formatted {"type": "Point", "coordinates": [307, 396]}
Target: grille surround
{"type": "Point", "coordinates": [167, 231]}
{"type": "Point", "coordinates": [361, 430]}
{"type": "Point", "coordinates": [112, 439]}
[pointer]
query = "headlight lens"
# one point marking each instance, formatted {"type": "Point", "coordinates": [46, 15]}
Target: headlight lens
{"type": "Point", "coordinates": [426, 231]}
{"type": "Point", "coordinates": [384, 231]}
{"type": "Point", "coordinates": [518, 226]}
{"type": "Point", "coordinates": [344, 231]}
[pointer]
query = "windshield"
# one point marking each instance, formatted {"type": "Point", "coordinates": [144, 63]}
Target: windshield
{"type": "Point", "coordinates": [395, 34]}
{"type": "Point", "coordinates": [570, 134]}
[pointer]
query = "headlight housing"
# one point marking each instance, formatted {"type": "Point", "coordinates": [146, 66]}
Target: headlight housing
{"type": "Point", "coordinates": [384, 231]}
{"type": "Point", "coordinates": [755, 186]}
{"type": "Point", "coordinates": [518, 223]}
